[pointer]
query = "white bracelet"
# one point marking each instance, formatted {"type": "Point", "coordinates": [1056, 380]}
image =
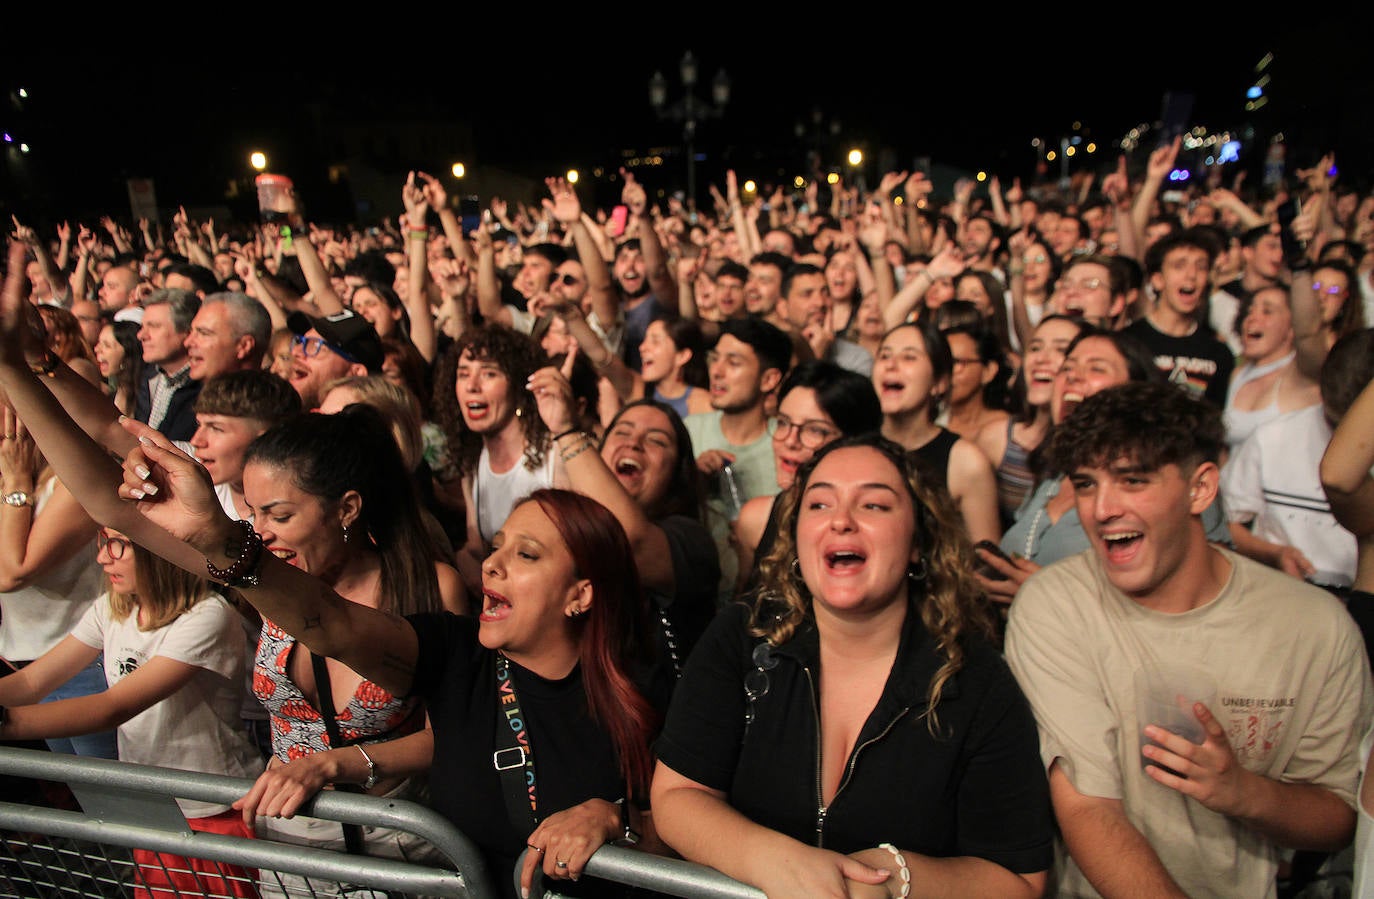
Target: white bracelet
{"type": "Point", "coordinates": [906, 872]}
{"type": "Point", "coordinates": [371, 768]}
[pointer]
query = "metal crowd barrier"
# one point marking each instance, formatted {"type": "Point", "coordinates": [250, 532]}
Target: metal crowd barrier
{"type": "Point", "coordinates": [51, 853]}
{"type": "Point", "coordinates": [48, 853]}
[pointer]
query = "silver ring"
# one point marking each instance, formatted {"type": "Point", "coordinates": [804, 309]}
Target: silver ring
{"type": "Point", "coordinates": [560, 864]}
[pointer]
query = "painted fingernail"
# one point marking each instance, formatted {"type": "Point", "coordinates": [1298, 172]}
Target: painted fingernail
{"type": "Point", "coordinates": [150, 489]}
{"type": "Point", "coordinates": [146, 441]}
{"type": "Point", "coordinates": [136, 494]}
{"type": "Point", "coordinates": [143, 472]}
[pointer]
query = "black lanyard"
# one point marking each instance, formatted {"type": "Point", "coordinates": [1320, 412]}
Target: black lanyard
{"type": "Point", "coordinates": [513, 752]}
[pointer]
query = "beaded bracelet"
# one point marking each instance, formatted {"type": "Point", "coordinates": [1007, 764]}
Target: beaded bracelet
{"type": "Point", "coordinates": [906, 872]}
{"type": "Point", "coordinates": [244, 570]}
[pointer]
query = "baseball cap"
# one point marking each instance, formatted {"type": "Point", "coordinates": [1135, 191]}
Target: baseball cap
{"type": "Point", "coordinates": [346, 333]}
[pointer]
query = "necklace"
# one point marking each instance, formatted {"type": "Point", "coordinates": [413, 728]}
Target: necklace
{"type": "Point", "coordinates": [1030, 534]}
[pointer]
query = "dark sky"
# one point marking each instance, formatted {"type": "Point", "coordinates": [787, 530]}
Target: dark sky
{"type": "Point", "coordinates": [969, 93]}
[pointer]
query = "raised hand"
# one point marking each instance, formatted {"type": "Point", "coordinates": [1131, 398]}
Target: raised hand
{"type": "Point", "coordinates": [21, 327]}
{"type": "Point", "coordinates": [1161, 161]}
{"type": "Point", "coordinates": [564, 206]}
{"type": "Point", "coordinates": [1116, 185]}
{"type": "Point", "coordinates": [633, 194]}
{"type": "Point", "coordinates": [889, 182]}
{"type": "Point", "coordinates": [435, 195]}
{"type": "Point", "coordinates": [171, 489]}
{"type": "Point", "coordinates": [64, 232]}
{"type": "Point", "coordinates": [23, 233]}
{"type": "Point", "coordinates": [553, 394]}
{"type": "Point", "coordinates": [416, 203]}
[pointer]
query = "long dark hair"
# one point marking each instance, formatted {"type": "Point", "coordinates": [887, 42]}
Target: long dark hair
{"type": "Point", "coordinates": [328, 455]}
{"type": "Point", "coordinates": [686, 491]}
{"type": "Point", "coordinates": [612, 630]}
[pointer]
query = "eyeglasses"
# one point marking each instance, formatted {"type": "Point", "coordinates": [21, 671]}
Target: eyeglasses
{"type": "Point", "coordinates": [1037, 258]}
{"type": "Point", "coordinates": [311, 346]}
{"type": "Point", "coordinates": [812, 434]}
{"type": "Point", "coordinates": [567, 279]}
{"type": "Point", "coordinates": [1331, 290]}
{"type": "Point", "coordinates": [115, 546]}
{"type": "Point", "coordinates": [1085, 284]}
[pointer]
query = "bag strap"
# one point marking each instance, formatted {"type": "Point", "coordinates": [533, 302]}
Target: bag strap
{"type": "Point", "coordinates": [512, 757]}
{"type": "Point", "coordinates": [353, 834]}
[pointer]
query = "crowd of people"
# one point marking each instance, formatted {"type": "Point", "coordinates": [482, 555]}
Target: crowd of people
{"type": "Point", "coordinates": [822, 539]}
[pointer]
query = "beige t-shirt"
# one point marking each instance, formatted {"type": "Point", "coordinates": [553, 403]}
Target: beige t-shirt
{"type": "Point", "coordinates": [1293, 690]}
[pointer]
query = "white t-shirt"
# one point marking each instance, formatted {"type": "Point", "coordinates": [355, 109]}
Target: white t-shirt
{"type": "Point", "coordinates": [1274, 479]}
{"type": "Point", "coordinates": [35, 618]}
{"type": "Point", "coordinates": [198, 727]}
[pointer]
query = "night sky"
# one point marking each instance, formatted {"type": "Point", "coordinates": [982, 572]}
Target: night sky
{"type": "Point", "coordinates": [970, 94]}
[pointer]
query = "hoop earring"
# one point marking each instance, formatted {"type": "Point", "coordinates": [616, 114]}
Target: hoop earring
{"type": "Point", "coordinates": [796, 568]}
{"type": "Point", "coordinates": [916, 571]}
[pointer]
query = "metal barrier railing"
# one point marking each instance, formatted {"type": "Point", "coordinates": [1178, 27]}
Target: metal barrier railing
{"type": "Point", "coordinates": [68, 854]}
{"type": "Point", "coordinates": [49, 853]}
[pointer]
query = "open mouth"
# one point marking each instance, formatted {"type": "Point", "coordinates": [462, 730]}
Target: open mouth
{"type": "Point", "coordinates": [844, 561]}
{"type": "Point", "coordinates": [1068, 403]}
{"type": "Point", "coordinates": [494, 606]}
{"type": "Point", "coordinates": [475, 410]}
{"type": "Point", "coordinates": [1121, 545]}
{"type": "Point", "coordinates": [629, 467]}
{"type": "Point", "coordinates": [286, 555]}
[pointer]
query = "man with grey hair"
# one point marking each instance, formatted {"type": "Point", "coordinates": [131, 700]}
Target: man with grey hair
{"type": "Point", "coordinates": [231, 332]}
{"type": "Point", "coordinates": [167, 393]}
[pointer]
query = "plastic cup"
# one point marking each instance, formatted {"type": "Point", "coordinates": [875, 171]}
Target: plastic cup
{"type": "Point", "coordinates": [274, 193]}
{"type": "Point", "coordinates": [1164, 696]}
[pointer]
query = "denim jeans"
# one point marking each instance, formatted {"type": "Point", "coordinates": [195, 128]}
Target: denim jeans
{"type": "Point", "coordinates": [88, 680]}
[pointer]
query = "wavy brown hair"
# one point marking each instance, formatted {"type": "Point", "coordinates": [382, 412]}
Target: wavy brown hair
{"type": "Point", "coordinates": [952, 605]}
{"type": "Point", "coordinates": [518, 356]}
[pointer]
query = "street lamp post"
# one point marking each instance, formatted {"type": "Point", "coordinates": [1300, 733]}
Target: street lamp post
{"type": "Point", "coordinates": [689, 110]}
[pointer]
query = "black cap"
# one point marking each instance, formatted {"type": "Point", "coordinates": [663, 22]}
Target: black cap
{"type": "Point", "coordinates": [346, 333]}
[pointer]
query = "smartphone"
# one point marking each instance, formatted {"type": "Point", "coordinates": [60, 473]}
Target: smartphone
{"type": "Point", "coordinates": [470, 213]}
{"type": "Point", "coordinates": [620, 215]}
{"type": "Point", "coordinates": [987, 570]}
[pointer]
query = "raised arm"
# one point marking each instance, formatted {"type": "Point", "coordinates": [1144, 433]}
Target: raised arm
{"type": "Point", "coordinates": [1160, 163]}
{"type": "Point", "coordinates": [176, 514]}
{"type": "Point", "coordinates": [655, 260]}
{"type": "Point", "coordinates": [588, 474]}
{"type": "Point", "coordinates": [118, 235]}
{"type": "Point", "coordinates": [422, 332]}
{"type": "Point", "coordinates": [322, 293]}
{"type": "Point", "coordinates": [566, 209]}
{"type": "Point", "coordinates": [488, 284]}
{"type": "Point", "coordinates": [437, 198]}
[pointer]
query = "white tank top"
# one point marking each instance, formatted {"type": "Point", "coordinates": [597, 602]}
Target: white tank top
{"type": "Point", "coordinates": [35, 618]}
{"type": "Point", "coordinates": [496, 494]}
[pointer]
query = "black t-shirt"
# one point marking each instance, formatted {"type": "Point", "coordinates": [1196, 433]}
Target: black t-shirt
{"type": "Point", "coordinates": [574, 758]}
{"type": "Point", "coordinates": [1199, 361]}
{"type": "Point", "coordinates": [979, 789]}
